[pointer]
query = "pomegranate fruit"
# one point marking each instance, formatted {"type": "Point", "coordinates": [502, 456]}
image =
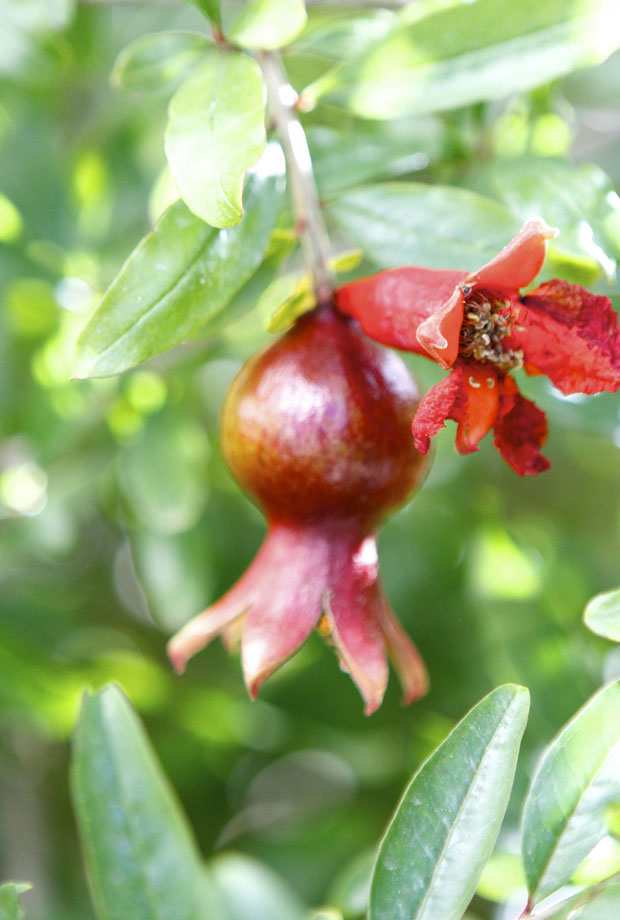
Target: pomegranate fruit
{"type": "Point", "coordinates": [317, 429]}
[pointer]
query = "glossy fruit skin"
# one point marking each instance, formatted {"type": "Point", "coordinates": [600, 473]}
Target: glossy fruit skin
{"type": "Point", "coordinates": [317, 429]}
{"type": "Point", "coordinates": [319, 424]}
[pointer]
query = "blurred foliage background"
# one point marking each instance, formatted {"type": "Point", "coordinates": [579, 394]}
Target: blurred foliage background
{"type": "Point", "coordinates": [119, 520]}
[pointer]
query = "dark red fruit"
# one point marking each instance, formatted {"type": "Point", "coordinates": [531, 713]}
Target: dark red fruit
{"type": "Point", "coordinates": [318, 430]}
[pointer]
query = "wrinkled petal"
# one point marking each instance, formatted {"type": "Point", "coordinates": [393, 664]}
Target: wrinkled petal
{"type": "Point", "coordinates": [391, 305]}
{"type": "Point", "coordinates": [519, 262]}
{"type": "Point", "coordinates": [287, 606]}
{"type": "Point", "coordinates": [443, 401]}
{"type": "Point", "coordinates": [481, 405]}
{"type": "Point", "coordinates": [405, 656]}
{"type": "Point", "coordinates": [571, 335]}
{"type": "Point", "coordinates": [439, 334]}
{"type": "Point", "coordinates": [353, 606]}
{"type": "Point", "coordinates": [470, 397]}
{"type": "Point", "coordinates": [520, 431]}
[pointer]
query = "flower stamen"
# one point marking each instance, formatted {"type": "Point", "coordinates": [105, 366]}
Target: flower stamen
{"type": "Point", "coordinates": [487, 321]}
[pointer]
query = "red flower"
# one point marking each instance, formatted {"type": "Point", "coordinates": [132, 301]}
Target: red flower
{"type": "Point", "coordinates": [479, 325]}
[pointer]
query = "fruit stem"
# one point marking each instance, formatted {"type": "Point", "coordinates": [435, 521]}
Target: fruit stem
{"type": "Point", "coordinates": [306, 204]}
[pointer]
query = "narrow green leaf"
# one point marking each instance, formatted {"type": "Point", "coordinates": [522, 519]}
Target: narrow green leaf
{"type": "Point", "coordinates": [263, 23]}
{"type": "Point", "coordinates": [447, 822]}
{"type": "Point", "coordinates": [156, 62]}
{"type": "Point", "coordinates": [140, 855]}
{"type": "Point", "coordinates": [179, 278]}
{"type": "Point", "coordinates": [441, 55]}
{"type": "Point", "coordinates": [247, 889]}
{"type": "Point", "coordinates": [576, 780]}
{"type": "Point", "coordinates": [602, 615]}
{"type": "Point", "coordinates": [215, 133]}
{"type": "Point", "coordinates": [408, 223]}
{"type": "Point", "coordinates": [10, 908]}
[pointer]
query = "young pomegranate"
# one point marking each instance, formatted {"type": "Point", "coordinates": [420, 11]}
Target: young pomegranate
{"type": "Point", "coordinates": [318, 430]}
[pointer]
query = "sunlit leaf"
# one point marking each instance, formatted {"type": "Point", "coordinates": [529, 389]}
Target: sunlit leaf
{"type": "Point", "coordinates": [600, 903]}
{"type": "Point", "coordinates": [10, 908]}
{"type": "Point", "coordinates": [344, 159]}
{"type": "Point", "coordinates": [139, 852]}
{"type": "Point", "coordinates": [215, 133]}
{"type": "Point", "coordinates": [263, 23]}
{"type": "Point", "coordinates": [156, 62]}
{"type": "Point", "coordinates": [579, 200]}
{"type": "Point", "coordinates": [602, 615]}
{"type": "Point", "coordinates": [577, 779]}
{"type": "Point", "coordinates": [248, 889]}
{"type": "Point", "coordinates": [444, 55]}
{"type": "Point", "coordinates": [447, 822]}
{"type": "Point", "coordinates": [408, 223]}
{"type": "Point", "coordinates": [24, 24]}
{"type": "Point", "coordinates": [181, 276]}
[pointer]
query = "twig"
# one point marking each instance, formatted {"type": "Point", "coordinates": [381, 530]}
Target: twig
{"type": "Point", "coordinates": [282, 99]}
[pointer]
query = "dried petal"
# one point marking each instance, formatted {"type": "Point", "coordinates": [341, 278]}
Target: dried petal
{"type": "Point", "coordinates": [571, 335]}
{"type": "Point", "coordinates": [391, 305]}
{"type": "Point", "coordinates": [520, 431]}
{"type": "Point", "coordinates": [443, 401]}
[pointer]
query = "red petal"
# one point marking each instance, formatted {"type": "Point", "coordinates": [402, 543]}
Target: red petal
{"type": "Point", "coordinates": [391, 305]}
{"type": "Point", "coordinates": [439, 334]}
{"type": "Point", "coordinates": [520, 430]}
{"type": "Point", "coordinates": [294, 564]}
{"type": "Point", "coordinates": [519, 262]}
{"type": "Point", "coordinates": [481, 406]}
{"type": "Point", "coordinates": [352, 609]}
{"type": "Point", "coordinates": [571, 335]}
{"type": "Point", "coordinates": [405, 656]}
{"type": "Point", "coordinates": [443, 401]}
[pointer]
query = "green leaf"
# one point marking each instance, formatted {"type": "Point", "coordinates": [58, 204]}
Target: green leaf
{"type": "Point", "coordinates": [577, 199]}
{"type": "Point", "coordinates": [263, 23]}
{"type": "Point", "coordinates": [215, 133]}
{"type": "Point", "coordinates": [156, 62]}
{"type": "Point", "coordinates": [24, 25]}
{"type": "Point", "coordinates": [211, 8]}
{"type": "Point", "coordinates": [248, 889]}
{"type": "Point", "coordinates": [344, 159]}
{"type": "Point", "coordinates": [577, 779]}
{"type": "Point", "coordinates": [441, 55]}
{"type": "Point", "coordinates": [174, 574]}
{"type": "Point", "coordinates": [179, 278]}
{"type": "Point", "coordinates": [409, 223]}
{"type": "Point", "coordinates": [602, 615]}
{"type": "Point", "coordinates": [600, 903]}
{"type": "Point", "coordinates": [10, 908]}
{"type": "Point", "coordinates": [447, 822]}
{"type": "Point", "coordinates": [139, 851]}
{"type": "Point", "coordinates": [163, 473]}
